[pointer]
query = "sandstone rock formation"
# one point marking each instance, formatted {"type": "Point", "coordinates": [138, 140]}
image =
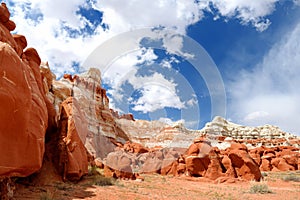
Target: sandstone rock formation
{"type": "Point", "coordinates": [118, 165]}
{"type": "Point", "coordinates": [220, 130]}
{"type": "Point", "coordinates": [281, 158]}
{"type": "Point", "coordinates": [94, 105]}
{"type": "Point", "coordinates": [23, 104]}
{"type": "Point", "coordinates": [73, 158]}
{"type": "Point", "coordinates": [199, 160]}
{"type": "Point", "coordinates": [157, 133]}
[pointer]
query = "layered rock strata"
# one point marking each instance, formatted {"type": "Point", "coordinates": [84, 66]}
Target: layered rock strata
{"type": "Point", "coordinates": [91, 98]}
{"type": "Point", "coordinates": [221, 131]}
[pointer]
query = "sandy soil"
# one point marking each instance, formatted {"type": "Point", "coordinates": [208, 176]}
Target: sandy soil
{"type": "Point", "coordinates": [164, 187]}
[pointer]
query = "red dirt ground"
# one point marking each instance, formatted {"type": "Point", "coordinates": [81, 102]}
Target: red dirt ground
{"type": "Point", "coordinates": [164, 187]}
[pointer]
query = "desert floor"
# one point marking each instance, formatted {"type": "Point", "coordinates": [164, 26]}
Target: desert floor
{"type": "Point", "coordinates": [279, 185]}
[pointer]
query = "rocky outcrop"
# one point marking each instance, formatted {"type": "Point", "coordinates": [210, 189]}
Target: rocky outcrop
{"type": "Point", "coordinates": [244, 166]}
{"type": "Point", "coordinates": [118, 165]}
{"type": "Point", "coordinates": [94, 105]}
{"type": "Point", "coordinates": [127, 116]}
{"type": "Point", "coordinates": [73, 156]}
{"type": "Point", "coordinates": [23, 104]}
{"type": "Point", "coordinates": [157, 133]}
{"type": "Point", "coordinates": [131, 159]}
{"type": "Point", "coordinates": [281, 158]}
{"type": "Point", "coordinates": [220, 130]}
{"type": "Point", "coordinates": [199, 160]}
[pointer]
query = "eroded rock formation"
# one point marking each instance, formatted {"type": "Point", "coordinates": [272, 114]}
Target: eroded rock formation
{"type": "Point", "coordinates": [157, 133]}
{"type": "Point", "coordinates": [73, 156]}
{"type": "Point", "coordinates": [220, 130]}
{"type": "Point", "coordinates": [281, 158]}
{"type": "Point", "coordinates": [94, 105]}
{"type": "Point", "coordinates": [199, 160]}
{"type": "Point", "coordinates": [23, 104]}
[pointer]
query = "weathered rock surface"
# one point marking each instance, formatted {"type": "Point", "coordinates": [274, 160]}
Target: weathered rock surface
{"type": "Point", "coordinates": [94, 105]}
{"type": "Point", "coordinates": [157, 133]}
{"type": "Point", "coordinates": [118, 165]}
{"type": "Point", "coordinates": [131, 159]}
{"type": "Point", "coordinates": [73, 158]}
{"type": "Point", "coordinates": [282, 158]}
{"type": "Point", "coordinates": [23, 105]}
{"type": "Point", "coordinates": [244, 165]}
{"type": "Point", "coordinates": [220, 130]}
{"type": "Point", "coordinates": [200, 160]}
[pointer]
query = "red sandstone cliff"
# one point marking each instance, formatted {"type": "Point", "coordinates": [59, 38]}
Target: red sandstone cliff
{"type": "Point", "coordinates": [23, 104]}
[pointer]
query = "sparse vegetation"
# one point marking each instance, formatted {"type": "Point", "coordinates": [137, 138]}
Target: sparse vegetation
{"type": "Point", "coordinates": [260, 188]}
{"type": "Point", "coordinates": [159, 187]}
{"type": "Point", "coordinates": [93, 170]}
{"type": "Point", "coordinates": [288, 176]}
{"type": "Point", "coordinates": [264, 174]}
{"type": "Point", "coordinates": [103, 181]}
{"type": "Point", "coordinates": [291, 177]}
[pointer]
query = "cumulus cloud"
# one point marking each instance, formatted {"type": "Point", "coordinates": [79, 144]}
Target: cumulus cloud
{"type": "Point", "coordinates": [140, 14]}
{"type": "Point", "coordinates": [269, 94]}
{"type": "Point", "coordinates": [45, 32]}
{"type": "Point", "coordinates": [158, 93]}
{"type": "Point", "coordinates": [248, 11]}
{"type": "Point", "coordinates": [47, 24]}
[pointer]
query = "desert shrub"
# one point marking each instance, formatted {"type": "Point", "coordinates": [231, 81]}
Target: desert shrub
{"type": "Point", "coordinates": [93, 170]}
{"type": "Point", "coordinates": [291, 177]}
{"type": "Point", "coordinates": [260, 188]}
{"type": "Point", "coordinates": [103, 181]}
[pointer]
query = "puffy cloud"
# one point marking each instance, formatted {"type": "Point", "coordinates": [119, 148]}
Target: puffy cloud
{"type": "Point", "coordinates": [248, 11]}
{"type": "Point", "coordinates": [45, 32]}
{"type": "Point", "coordinates": [141, 13]}
{"type": "Point", "coordinates": [50, 25]}
{"type": "Point", "coordinates": [270, 92]}
{"type": "Point", "coordinates": [157, 93]}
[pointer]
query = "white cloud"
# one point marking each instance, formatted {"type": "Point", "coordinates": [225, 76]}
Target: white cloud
{"type": "Point", "coordinates": [156, 93]}
{"type": "Point", "coordinates": [256, 116]}
{"type": "Point", "coordinates": [193, 101]}
{"type": "Point", "coordinates": [248, 11]}
{"type": "Point", "coordinates": [170, 122]}
{"type": "Point", "coordinates": [140, 14]}
{"type": "Point", "coordinates": [125, 67]}
{"type": "Point", "coordinates": [270, 92]}
{"type": "Point", "coordinates": [47, 35]}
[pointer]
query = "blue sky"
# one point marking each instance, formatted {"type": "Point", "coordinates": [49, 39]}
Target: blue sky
{"type": "Point", "coordinates": [252, 46]}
